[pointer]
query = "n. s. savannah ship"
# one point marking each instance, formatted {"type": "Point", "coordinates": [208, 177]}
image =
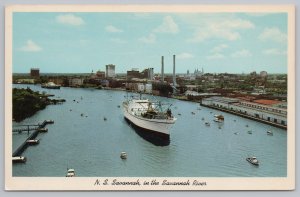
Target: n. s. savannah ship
{"type": "Point", "coordinates": [149, 117]}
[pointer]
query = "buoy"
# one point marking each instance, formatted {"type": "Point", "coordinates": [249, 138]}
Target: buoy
{"type": "Point", "coordinates": [123, 155]}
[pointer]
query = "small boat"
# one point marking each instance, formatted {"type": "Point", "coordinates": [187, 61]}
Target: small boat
{"type": "Point", "coordinates": [105, 119]}
{"type": "Point", "coordinates": [269, 132]}
{"type": "Point", "coordinates": [50, 85]}
{"type": "Point", "coordinates": [236, 133]}
{"type": "Point", "coordinates": [193, 113]}
{"type": "Point", "coordinates": [217, 120]}
{"type": "Point", "coordinates": [42, 130]}
{"type": "Point", "coordinates": [207, 123]}
{"type": "Point", "coordinates": [179, 114]}
{"type": "Point", "coordinates": [253, 160]}
{"type": "Point", "coordinates": [19, 159]}
{"type": "Point", "coordinates": [70, 173]}
{"type": "Point", "coordinates": [33, 142]}
{"type": "Point", "coordinates": [202, 118]}
{"type": "Point", "coordinates": [247, 125]}
{"type": "Point", "coordinates": [249, 132]}
{"type": "Point", "coordinates": [123, 155]}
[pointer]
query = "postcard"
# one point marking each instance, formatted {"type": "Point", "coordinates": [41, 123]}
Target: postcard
{"type": "Point", "coordinates": [149, 97]}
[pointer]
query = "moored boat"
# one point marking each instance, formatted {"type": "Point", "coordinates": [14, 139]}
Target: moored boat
{"type": "Point", "coordinates": [50, 85]}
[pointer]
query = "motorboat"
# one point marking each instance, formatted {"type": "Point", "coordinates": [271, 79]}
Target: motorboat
{"type": "Point", "coordinates": [269, 132]}
{"type": "Point", "coordinates": [219, 118]}
{"type": "Point", "coordinates": [70, 172]}
{"type": "Point", "coordinates": [123, 155]}
{"type": "Point", "coordinates": [50, 85]}
{"type": "Point", "coordinates": [252, 160]}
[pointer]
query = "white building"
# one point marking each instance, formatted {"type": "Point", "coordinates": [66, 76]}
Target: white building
{"type": "Point", "coordinates": [148, 88]}
{"type": "Point", "coordinates": [265, 112]}
{"type": "Point", "coordinates": [110, 71]}
{"type": "Point", "coordinates": [140, 87]}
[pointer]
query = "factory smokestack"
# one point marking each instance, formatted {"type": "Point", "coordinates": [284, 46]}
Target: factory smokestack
{"type": "Point", "coordinates": [162, 69]}
{"type": "Point", "coordinates": [174, 76]}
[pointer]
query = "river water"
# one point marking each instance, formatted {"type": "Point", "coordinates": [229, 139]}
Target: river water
{"type": "Point", "coordinates": [81, 139]}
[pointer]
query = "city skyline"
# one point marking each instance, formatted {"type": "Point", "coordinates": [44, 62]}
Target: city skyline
{"type": "Point", "coordinates": [216, 42]}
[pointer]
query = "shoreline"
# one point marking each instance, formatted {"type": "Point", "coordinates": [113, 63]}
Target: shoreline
{"type": "Point", "coordinates": [185, 100]}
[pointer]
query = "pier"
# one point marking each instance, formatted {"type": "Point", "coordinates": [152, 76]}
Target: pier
{"type": "Point", "coordinates": [246, 116]}
{"type": "Point", "coordinates": [30, 140]}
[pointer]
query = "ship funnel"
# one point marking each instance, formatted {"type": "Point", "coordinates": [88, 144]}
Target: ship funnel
{"type": "Point", "coordinates": [174, 76]}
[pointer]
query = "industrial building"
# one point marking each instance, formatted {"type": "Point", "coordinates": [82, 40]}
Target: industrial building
{"type": "Point", "coordinates": [269, 113]}
{"type": "Point", "coordinates": [145, 74]}
{"type": "Point", "coordinates": [110, 71]}
{"type": "Point", "coordinates": [35, 72]}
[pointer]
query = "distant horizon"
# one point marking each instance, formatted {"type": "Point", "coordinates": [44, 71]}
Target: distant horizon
{"type": "Point", "coordinates": [28, 73]}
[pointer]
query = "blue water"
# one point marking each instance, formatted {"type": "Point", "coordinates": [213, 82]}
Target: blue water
{"type": "Point", "coordinates": [92, 146]}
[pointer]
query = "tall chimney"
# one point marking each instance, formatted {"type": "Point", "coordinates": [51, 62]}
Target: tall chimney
{"type": "Point", "coordinates": [162, 69]}
{"type": "Point", "coordinates": [174, 75]}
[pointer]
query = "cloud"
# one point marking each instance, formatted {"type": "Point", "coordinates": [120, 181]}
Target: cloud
{"type": "Point", "coordinates": [148, 39]}
{"type": "Point", "coordinates": [219, 48]}
{"type": "Point", "coordinates": [113, 29]}
{"type": "Point", "coordinates": [215, 56]}
{"type": "Point", "coordinates": [273, 34]}
{"type": "Point", "coordinates": [274, 51]}
{"type": "Point", "coordinates": [184, 56]}
{"type": "Point", "coordinates": [70, 19]}
{"type": "Point", "coordinates": [226, 28]}
{"type": "Point", "coordinates": [30, 46]}
{"type": "Point", "coordinates": [241, 53]}
{"type": "Point", "coordinates": [168, 26]}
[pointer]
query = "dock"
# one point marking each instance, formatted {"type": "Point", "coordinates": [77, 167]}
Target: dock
{"type": "Point", "coordinates": [246, 116]}
{"type": "Point", "coordinates": [29, 141]}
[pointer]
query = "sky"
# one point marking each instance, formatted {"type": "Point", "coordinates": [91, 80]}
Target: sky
{"type": "Point", "coordinates": [69, 42]}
